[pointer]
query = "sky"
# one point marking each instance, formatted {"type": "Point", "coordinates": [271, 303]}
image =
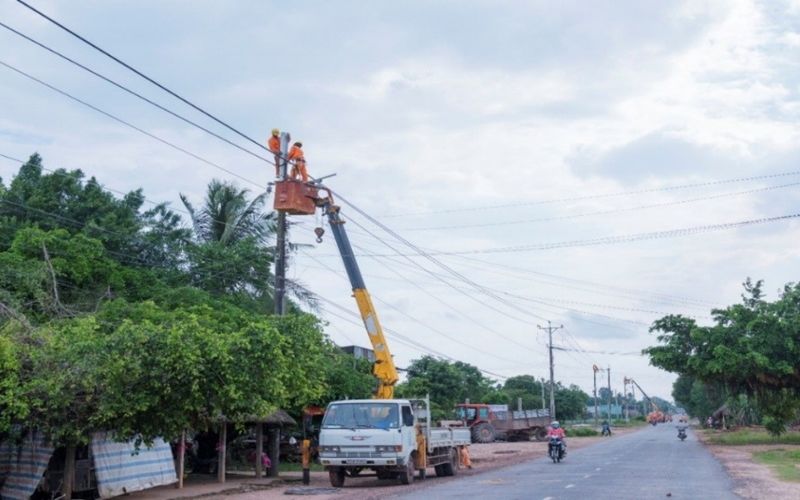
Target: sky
{"type": "Point", "coordinates": [543, 156]}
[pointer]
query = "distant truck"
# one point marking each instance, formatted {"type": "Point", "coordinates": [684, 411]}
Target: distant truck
{"type": "Point", "coordinates": [391, 437]}
{"type": "Point", "coordinates": [488, 423]}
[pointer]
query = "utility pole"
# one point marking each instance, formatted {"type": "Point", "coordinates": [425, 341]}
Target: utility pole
{"type": "Point", "coordinates": [625, 399]}
{"type": "Point", "coordinates": [610, 394]}
{"type": "Point", "coordinates": [550, 329]}
{"type": "Point", "coordinates": [274, 435]}
{"type": "Point", "coordinates": [595, 369]}
{"type": "Point", "coordinates": [542, 393]}
{"type": "Point", "coordinates": [280, 240]}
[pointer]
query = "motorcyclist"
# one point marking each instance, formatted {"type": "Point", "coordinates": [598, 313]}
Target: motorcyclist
{"type": "Point", "coordinates": [555, 431]}
{"type": "Point", "coordinates": [606, 428]}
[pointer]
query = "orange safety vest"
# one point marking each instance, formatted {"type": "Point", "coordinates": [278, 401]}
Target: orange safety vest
{"type": "Point", "coordinates": [296, 154]}
{"type": "Point", "coordinates": [274, 144]}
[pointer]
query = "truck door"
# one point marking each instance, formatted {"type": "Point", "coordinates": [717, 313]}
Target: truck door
{"type": "Point", "coordinates": [409, 431]}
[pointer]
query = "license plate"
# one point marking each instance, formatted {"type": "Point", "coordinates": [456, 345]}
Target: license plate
{"type": "Point", "coordinates": [356, 461]}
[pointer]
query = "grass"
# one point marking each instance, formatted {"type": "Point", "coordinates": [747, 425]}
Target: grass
{"type": "Point", "coordinates": [581, 432]}
{"type": "Point", "coordinates": [298, 467]}
{"type": "Point", "coordinates": [751, 436]}
{"type": "Point", "coordinates": [784, 462]}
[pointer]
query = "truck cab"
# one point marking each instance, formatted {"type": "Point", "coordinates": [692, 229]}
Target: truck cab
{"type": "Point", "coordinates": [368, 434]}
{"type": "Point", "coordinates": [391, 437]}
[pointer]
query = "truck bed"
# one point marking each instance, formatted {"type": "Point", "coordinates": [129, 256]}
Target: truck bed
{"type": "Point", "coordinates": [449, 436]}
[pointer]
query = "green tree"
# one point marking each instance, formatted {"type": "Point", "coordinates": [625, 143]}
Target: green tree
{"type": "Point", "coordinates": [751, 349]}
{"type": "Point", "coordinates": [447, 383]}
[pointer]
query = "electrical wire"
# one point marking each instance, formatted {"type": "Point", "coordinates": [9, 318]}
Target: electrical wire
{"type": "Point", "coordinates": [154, 82]}
{"type": "Point", "coordinates": [609, 240]}
{"type": "Point", "coordinates": [602, 212]}
{"type": "Point", "coordinates": [135, 94]}
{"type": "Point", "coordinates": [416, 320]}
{"type": "Point", "coordinates": [128, 124]}
{"type": "Point", "coordinates": [601, 196]}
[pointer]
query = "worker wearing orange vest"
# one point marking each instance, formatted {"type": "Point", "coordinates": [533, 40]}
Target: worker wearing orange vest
{"type": "Point", "coordinates": [298, 161]}
{"type": "Point", "coordinates": [274, 145]}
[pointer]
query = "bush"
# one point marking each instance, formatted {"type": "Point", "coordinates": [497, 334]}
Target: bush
{"type": "Point", "coordinates": [581, 432]}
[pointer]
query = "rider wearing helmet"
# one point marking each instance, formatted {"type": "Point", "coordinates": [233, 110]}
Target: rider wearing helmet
{"type": "Point", "coordinates": [556, 431]}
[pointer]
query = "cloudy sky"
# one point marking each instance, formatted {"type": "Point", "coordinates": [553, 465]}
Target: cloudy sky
{"type": "Point", "coordinates": [530, 149]}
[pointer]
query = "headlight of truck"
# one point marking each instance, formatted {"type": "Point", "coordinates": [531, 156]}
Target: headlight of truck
{"type": "Point", "coordinates": [389, 449]}
{"type": "Point", "coordinates": [329, 449]}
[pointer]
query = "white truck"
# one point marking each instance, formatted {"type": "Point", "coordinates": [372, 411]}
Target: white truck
{"type": "Point", "coordinates": [391, 437]}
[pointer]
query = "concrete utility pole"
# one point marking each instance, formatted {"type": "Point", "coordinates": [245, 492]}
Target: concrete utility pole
{"type": "Point", "coordinates": [542, 393]}
{"type": "Point", "coordinates": [274, 435]}
{"type": "Point", "coordinates": [550, 329]}
{"type": "Point", "coordinates": [625, 400]}
{"type": "Point", "coordinates": [280, 239]}
{"type": "Point", "coordinates": [610, 394]}
{"type": "Point", "coordinates": [595, 369]}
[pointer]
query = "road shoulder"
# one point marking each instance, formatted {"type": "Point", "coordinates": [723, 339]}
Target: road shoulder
{"type": "Point", "coordinates": [752, 480]}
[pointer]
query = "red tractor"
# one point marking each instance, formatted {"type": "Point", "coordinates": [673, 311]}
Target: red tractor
{"type": "Point", "coordinates": [491, 422]}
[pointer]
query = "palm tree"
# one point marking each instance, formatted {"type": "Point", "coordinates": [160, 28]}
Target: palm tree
{"type": "Point", "coordinates": [233, 245]}
{"type": "Point", "coordinates": [227, 217]}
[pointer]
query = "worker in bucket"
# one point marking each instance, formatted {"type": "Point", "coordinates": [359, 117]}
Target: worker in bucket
{"type": "Point", "coordinates": [298, 161]}
{"type": "Point", "coordinates": [274, 145]}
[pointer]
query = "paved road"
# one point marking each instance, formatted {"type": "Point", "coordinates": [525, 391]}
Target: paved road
{"type": "Point", "coordinates": [651, 463]}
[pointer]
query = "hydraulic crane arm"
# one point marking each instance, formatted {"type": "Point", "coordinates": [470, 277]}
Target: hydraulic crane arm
{"type": "Point", "coordinates": [384, 368]}
{"type": "Point", "coordinates": [649, 399]}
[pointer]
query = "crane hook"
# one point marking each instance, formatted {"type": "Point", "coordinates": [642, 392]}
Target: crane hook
{"type": "Point", "coordinates": [319, 232]}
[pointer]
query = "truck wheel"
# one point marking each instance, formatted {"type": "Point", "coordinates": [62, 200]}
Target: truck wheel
{"type": "Point", "coordinates": [451, 467]}
{"type": "Point", "coordinates": [407, 476]}
{"type": "Point", "coordinates": [483, 433]}
{"type": "Point", "coordinates": [337, 477]}
{"type": "Point", "coordinates": [440, 470]}
{"type": "Point", "coordinates": [540, 434]}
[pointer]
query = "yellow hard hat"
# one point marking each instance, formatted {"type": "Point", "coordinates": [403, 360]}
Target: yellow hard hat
{"type": "Point", "coordinates": [276, 131]}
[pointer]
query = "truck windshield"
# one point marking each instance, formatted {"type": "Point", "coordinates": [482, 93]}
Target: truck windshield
{"type": "Point", "coordinates": [362, 415]}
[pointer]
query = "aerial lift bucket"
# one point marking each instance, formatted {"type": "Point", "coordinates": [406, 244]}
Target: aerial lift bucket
{"type": "Point", "coordinates": [295, 197]}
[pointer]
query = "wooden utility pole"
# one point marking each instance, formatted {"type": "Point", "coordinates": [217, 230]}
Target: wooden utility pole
{"type": "Point", "coordinates": [550, 329]}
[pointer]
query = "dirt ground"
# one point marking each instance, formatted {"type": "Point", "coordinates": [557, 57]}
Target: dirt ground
{"type": "Point", "coordinates": [754, 480]}
{"type": "Point", "coordinates": [484, 457]}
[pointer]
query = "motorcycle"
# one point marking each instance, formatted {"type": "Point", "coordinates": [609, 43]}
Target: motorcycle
{"type": "Point", "coordinates": [555, 449]}
{"type": "Point", "coordinates": [681, 433]}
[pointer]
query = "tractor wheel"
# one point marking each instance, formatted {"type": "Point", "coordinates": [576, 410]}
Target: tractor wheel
{"type": "Point", "coordinates": [540, 434]}
{"type": "Point", "coordinates": [483, 433]}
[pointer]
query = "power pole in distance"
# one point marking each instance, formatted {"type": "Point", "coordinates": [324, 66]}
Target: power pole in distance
{"type": "Point", "coordinates": [550, 329]}
{"type": "Point", "coordinates": [595, 369]}
{"type": "Point", "coordinates": [610, 394]}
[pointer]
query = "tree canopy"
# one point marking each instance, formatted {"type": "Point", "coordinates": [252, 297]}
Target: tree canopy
{"type": "Point", "coordinates": [752, 349]}
{"type": "Point", "coordinates": [115, 317]}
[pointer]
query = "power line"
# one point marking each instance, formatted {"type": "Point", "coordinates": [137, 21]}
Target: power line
{"type": "Point", "coordinates": [600, 196]}
{"type": "Point", "coordinates": [131, 92]}
{"type": "Point", "coordinates": [416, 320]}
{"type": "Point", "coordinates": [602, 212]}
{"type": "Point", "coordinates": [128, 124]}
{"type": "Point", "coordinates": [128, 66]}
{"type": "Point", "coordinates": [609, 240]}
